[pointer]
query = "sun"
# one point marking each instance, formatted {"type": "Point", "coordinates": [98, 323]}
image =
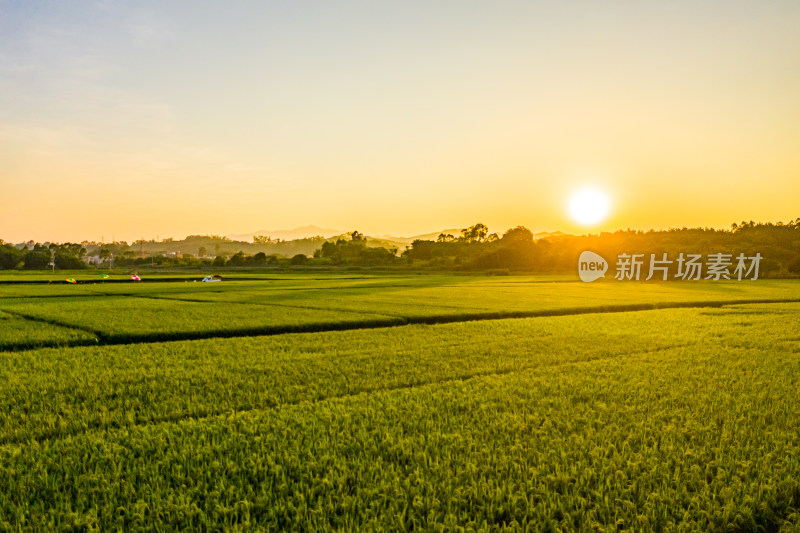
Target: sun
{"type": "Point", "coordinates": [589, 206]}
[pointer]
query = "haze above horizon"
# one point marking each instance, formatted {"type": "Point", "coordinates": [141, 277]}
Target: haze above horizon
{"type": "Point", "coordinates": [178, 118]}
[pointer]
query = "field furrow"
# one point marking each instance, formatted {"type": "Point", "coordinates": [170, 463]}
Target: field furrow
{"type": "Point", "coordinates": [683, 438]}
{"type": "Point", "coordinates": [121, 320]}
{"type": "Point", "coordinates": [405, 402]}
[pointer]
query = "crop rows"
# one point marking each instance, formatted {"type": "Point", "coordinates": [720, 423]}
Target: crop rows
{"type": "Point", "coordinates": [121, 319]}
{"type": "Point", "coordinates": [668, 420]}
{"type": "Point", "coordinates": [449, 295]}
{"type": "Point", "coordinates": [174, 311]}
{"type": "Point", "coordinates": [69, 390]}
{"type": "Point", "coordinates": [682, 420]}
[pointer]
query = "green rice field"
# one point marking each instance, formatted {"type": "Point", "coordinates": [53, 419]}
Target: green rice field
{"type": "Point", "coordinates": [434, 402]}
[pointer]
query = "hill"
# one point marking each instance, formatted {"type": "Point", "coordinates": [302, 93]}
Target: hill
{"type": "Point", "coordinates": [303, 232]}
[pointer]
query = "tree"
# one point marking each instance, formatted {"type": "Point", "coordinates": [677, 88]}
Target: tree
{"type": "Point", "coordinates": [10, 256]}
{"type": "Point", "coordinates": [329, 249]}
{"type": "Point", "coordinates": [476, 233]}
{"type": "Point", "coordinates": [67, 262]}
{"type": "Point", "coordinates": [128, 256]}
{"type": "Point", "coordinates": [299, 259]}
{"type": "Point", "coordinates": [354, 251]}
{"type": "Point", "coordinates": [518, 234]}
{"type": "Point", "coordinates": [357, 237]}
{"type": "Point", "coordinates": [104, 254]}
{"type": "Point", "coordinates": [237, 259]}
{"type": "Point", "coordinates": [68, 255]}
{"type": "Point", "coordinates": [37, 260]}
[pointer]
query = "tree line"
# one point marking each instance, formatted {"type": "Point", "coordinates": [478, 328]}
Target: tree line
{"type": "Point", "coordinates": [516, 249]}
{"type": "Point", "coordinates": [72, 256]}
{"type": "Point", "coordinates": [474, 248]}
{"type": "Point", "coordinates": [67, 256]}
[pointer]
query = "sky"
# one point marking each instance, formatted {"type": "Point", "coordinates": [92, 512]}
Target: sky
{"type": "Point", "coordinates": [131, 120]}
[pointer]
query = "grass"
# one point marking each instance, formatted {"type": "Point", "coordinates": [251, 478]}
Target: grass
{"type": "Point", "coordinates": [679, 419]}
{"type": "Point", "coordinates": [140, 312]}
{"type": "Point", "coordinates": [118, 319]}
{"type": "Point", "coordinates": [17, 333]}
{"type": "Point", "coordinates": [64, 391]}
{"type": "Point", "coordinates": [657, 420]}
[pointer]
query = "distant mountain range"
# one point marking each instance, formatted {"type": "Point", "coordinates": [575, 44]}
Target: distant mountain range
{"type": "Point", "coordinates": [289, 234]}
{"type": "Point", "coordinates": [304, 240]}
{"type": "Point", "coordinates": [423, 237]}
{"type": "Point", "coordinates": [546, 234]}
{"type": "Point", "coordinates": [305, 232]}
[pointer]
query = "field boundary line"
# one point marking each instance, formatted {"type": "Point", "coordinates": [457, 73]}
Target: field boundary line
{"type": "Point", "coordinates": [104, 339]}
{"type": "Point", "coordinates": [290, 306]}
{"type": "Point", "coordinates": [266, 304]}
{"type": "Point", "coordinates": [96, 341]}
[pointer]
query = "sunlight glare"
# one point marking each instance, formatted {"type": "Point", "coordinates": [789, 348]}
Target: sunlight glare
{"type": "Point", "coordinates": [589, 206]}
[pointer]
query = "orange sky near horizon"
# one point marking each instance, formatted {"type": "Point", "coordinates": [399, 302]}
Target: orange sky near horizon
{"type": "Point", "coordinates": [175, 118]}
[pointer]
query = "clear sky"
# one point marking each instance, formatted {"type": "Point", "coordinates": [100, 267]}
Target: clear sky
{"type": "Point", "coordinates": [169, 118]}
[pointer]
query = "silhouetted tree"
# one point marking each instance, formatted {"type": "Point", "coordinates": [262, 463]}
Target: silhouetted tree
{"type": "Point", "coordinates": [476, 233]}
{"type": "Point", "coordinates": [354, 251]}
{"type": "Point", "coordinates": [518, 234]}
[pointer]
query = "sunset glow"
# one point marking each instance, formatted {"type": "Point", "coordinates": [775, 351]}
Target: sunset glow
{"type": "Point", "coordinates": [136, 120]}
